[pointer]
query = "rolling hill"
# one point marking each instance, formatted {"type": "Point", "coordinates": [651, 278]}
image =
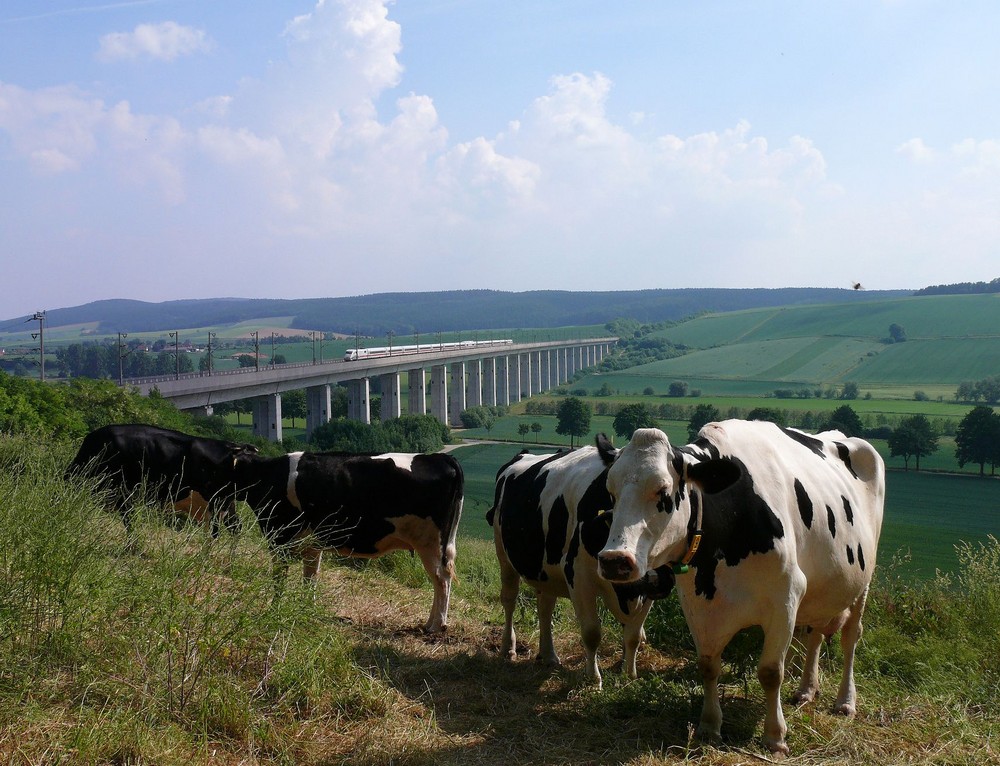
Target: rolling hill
{"type": "Point", "coordinates": [949, 339]}
{"type": "Point", "coordinates": [429, 312]}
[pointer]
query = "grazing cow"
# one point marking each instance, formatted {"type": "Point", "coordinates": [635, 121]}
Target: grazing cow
{"type": "Point", "coordinates": [361, 506]}
{"type": "Point", "coordinates": [190, 474]}
{"type": "Point", "coordinates": [764, 526]}
{"type": "Point", "coordinates": [548, 524]}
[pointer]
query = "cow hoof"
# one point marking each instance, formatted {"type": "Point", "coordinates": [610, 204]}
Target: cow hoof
{"type": "Point", "coordinates": [779, 750]}
{"type": "Point", "coordinates": [708, 735]}
{"type": "Point", "coordinates": [845, 709]}
{"type": "Point", "coordinates": [549, 660]}
{"type": "Point", "coordinates": [804, 697]}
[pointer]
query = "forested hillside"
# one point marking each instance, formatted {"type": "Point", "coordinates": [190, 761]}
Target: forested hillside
{"type": "Point", "coordinates": [431, 312]}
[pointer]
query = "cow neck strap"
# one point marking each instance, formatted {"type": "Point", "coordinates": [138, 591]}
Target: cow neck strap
{"type": "Point", "coordinates": [681, 567]}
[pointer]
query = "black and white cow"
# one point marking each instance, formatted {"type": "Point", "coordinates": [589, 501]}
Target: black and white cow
{"type": "Point", "coordinates": [361, 506]}
{"type": "Point", "coordinates": [191, 474]}
{"type": "Point", "coordinates": [765, 526]}
{"type": "Point", "coordinates": [549, 522]}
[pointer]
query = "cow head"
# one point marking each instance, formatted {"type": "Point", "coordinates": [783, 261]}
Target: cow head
{"type": "Point", "coordinates": [649, 481]}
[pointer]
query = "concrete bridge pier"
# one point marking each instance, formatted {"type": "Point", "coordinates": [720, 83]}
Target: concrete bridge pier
{"type": "Point", "coordinates": [489, 382]}
{"type": "Point", "coordinates": [417, 391]}
{"type": "Point", "coordinates": [439, 392]}
{"type": "Point", "coordinates": [317, 408]}
{"type": "Point", "coordinates": [525, 388]}
{"type": "Point", "coordinates": [358, 398]}
{"type": "Point", "coordinates": [457, 404]}
{"type": "Point", "coordinates": [514, 378]}
{"type": "Point", "coordinates": [267, 417]}
{"type": "Point", "coordinates": [502, 368]}
{"type": "Point", "coordinates": [474, 394]}
{"type": "Point", "coordinates": [390, 406]}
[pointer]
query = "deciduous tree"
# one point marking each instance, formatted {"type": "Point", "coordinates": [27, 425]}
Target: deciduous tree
{"type": "Point", "coordinates": [915, 437]}
{"type": "Point", "coordinates": [573, 418]}
{"type": "Point", "coordinates": [977, 439]}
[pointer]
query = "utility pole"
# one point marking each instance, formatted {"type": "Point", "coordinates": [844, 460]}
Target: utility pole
{"type": "Point", "coordinates": [176, 335]}
{"type": "Point", "coordinates": [256, 350]}
{"type": "Point", "coordinates": [272, 348]}
{"type": "Point", "coordinates": [210, 336]}
{"type": "Point", "coordinates": [39, 316]}
{"type": "Point", "coordinates": [312, 337]}
{"type": "Point", "coordinates": [389, 336]}
{"type": "Point", "coordinates": [121, 357]}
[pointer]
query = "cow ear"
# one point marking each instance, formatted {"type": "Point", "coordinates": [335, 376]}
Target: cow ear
{"type": "Point", "coordinates": [713, 476]}
{"type": "Point", "coordinates": [606, 449]}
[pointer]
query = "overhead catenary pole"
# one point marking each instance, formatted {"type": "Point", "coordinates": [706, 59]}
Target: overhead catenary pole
{"type": "Point", "coordinates": [177, 354]}
{"type": "Point", "coordinates": [210, 336]}
{"type": "Point", "coordinates": [121, 357]}
{"type": "Point", "coordinates": [39, 316]}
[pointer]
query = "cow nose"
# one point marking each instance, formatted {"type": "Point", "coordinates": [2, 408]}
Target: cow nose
{"type": "Point", "coordinates": [618, 566]}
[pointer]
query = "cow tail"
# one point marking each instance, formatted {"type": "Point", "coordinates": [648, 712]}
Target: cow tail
{"type": "Point", "coordinates": [450, 530]}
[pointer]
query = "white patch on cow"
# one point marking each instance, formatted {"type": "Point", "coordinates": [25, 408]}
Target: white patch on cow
{"type": "Point", "coordinates": [401, 459]}
{"type": "Point", "coordinates": [293, 474]}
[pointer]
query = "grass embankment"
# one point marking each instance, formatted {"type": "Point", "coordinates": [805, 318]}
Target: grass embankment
{"type": "Point", "coordinates": [157, 647]}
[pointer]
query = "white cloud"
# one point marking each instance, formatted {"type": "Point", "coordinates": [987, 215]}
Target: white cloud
{"type": "Point", "coordinates": [320, 160]}
{"type": "Point", "coordinates": [916, 150]}
{"type": "Point", "coordinates": [165, 41]}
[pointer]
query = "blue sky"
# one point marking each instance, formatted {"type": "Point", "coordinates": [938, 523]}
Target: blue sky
{"type": "Point", "coordinates": [168, 149]}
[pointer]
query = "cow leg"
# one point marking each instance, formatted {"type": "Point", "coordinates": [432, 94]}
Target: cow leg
{"type": "Point", "coordinates": [589, 620]}
{"type": "Point", "coordinates": [510, 584]}
{"type": "Point", "coordinates": [633, 636]}
{"type": "Point", "coordinates": [808, 689]}
{"type": "Point", "coordinates": [850, 634]}
{"type": "Point", "coordinates": [440, 577]}
{"type": "Point", "coordinates": [771, 672]}
{"type": "Point", "coordinates": [312, 558]}
{"type": "Point", "coordinates": [710, 725]}
{"type": "Point", "coordinates": [546, 647]}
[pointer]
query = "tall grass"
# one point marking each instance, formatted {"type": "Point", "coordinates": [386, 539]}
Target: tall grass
{"type": "Point", "coordinates": [151, 644]}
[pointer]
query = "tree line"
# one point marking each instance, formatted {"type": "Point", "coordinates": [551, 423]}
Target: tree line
{"type": "Point", "coordinates": [977, 439]}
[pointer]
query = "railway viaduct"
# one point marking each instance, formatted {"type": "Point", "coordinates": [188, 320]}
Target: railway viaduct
{"type": "Point", "coordinates": [459, 379]}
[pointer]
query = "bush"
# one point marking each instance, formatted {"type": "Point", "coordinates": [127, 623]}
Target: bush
{"type": "Point", "coordinates": [407, 433]}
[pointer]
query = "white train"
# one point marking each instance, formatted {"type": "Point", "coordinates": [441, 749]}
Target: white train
{"type": "Point", "coordinates": [354, 354]}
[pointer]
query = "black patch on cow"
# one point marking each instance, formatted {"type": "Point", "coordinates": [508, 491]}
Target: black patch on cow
{"type": "Point", "coordinates": [805, 504]}
{"type": "Point", "coordinates": [350, 502]}
{"type": "Point", "coordinates": [850, 555]}
{"type": "Point", "coordinates": [655, 584]}
{"type": "Point", "coordinates": [811, 443]}
{"type": "Point", "coordinates": [845, 456]}
{"type": "Point", "coordinates": [736, 523]}
{"type": "Point", "coordinates": [593, 536]}
{"type": "Point", "coordinates": [831, 522]}
{"type": "Point", "coordinates": [569, 568]}
{"type": "Point", "coordinates": [594, 533]}
{"type": "Point", "coordinates": [666, 503]}
{"type": "Point", "coordinates": [555, 540]}
{"type": "Point", "coordinates": [168, 464]}
{"type": "Point", "coordinates": [595, 499]}
{"type": "Point", "coordinates": [848, 511]}
{"type": "Point", "coordinates": [520, 518]}
{"type": "Point", "coordinates": [861, 557]}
